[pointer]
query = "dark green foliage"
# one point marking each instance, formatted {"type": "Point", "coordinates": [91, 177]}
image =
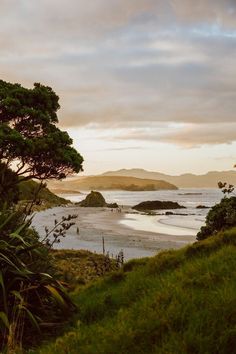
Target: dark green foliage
{"type": "Point", "coordinates": [226, 188]}
{"type": "Point", "coordinates": [28, 133]}
{"type": "Point", "coordinates": [9, 191]}
{"type": "Point", "coordinates": [221, 217]}
{"type": "Point", "coordinates": [81, 266]}
{"type": "Point", "coordinates": [28, 189]}
{"type": "Point", "coordinates": [30, 298]}
{"type": "Point", "coordinates": [178, 302]}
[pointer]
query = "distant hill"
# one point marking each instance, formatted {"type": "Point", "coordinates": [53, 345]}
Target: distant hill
{"type": "Point", "coordinates": [187, 180]}
{"type": "Point", "coordinates": [109, 183]}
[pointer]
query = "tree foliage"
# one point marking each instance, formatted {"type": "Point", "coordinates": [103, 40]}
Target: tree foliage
{"type": "Point", "coordinates": [29, 136]}
{"type": "Point", "coordinates": [220, 217]}
{"type": "Point", "coordinates": [9, 191]}
{"type": "Point", "coordinates": [31, 146]}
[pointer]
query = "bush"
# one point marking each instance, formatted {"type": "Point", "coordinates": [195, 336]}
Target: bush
{"type": "Point", "coordinates": [220, 217]}
{"type": "Point", "coordinates": [30, 297]}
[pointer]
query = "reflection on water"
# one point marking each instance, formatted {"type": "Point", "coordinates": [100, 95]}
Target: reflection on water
{"type": "Point", "coordinates": [162, 224]}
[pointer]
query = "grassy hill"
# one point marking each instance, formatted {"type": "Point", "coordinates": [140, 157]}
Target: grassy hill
{"type": "Point", "coordinates": [28, 189]}
{"type": "Point", "coordinates": [111, 182]}
{"type": "Point", "coordinates": [178, 302]}
{"type": "Point", "coordinates": [187, 180]}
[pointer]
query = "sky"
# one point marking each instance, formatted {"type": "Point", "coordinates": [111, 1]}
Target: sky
{"type": "Point", "coordinates": [142, 83]}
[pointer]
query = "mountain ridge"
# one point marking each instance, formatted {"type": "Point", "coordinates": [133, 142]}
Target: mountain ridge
{"type": "Point", "coordinates": [185, 180]}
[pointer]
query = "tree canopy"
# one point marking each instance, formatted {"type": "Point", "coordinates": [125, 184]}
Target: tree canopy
{"type": "Point", "coordinates": [29, 138]}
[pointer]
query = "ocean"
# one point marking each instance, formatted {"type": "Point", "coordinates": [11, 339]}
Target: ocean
{"type": "Point", "coordinates": [189, 223]}
{"type": "Point", "coordinates": [136, 233]}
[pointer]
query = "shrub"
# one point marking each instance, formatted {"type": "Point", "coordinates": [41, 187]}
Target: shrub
{"type": "Point", "coordinates": [220, 217]}
{"type": "Point", "coordinates": [30, 297]}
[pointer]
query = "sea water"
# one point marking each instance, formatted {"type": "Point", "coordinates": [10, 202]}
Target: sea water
{"type": "Point", "coordinates": [188, 222]}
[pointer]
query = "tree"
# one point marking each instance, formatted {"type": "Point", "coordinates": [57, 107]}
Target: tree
{"type": "Point", "coordinates": [31, 146]}
{"type": "Point", "coordinates": [222, 215]}
{"type": "Point", "coordinates": [29, 138]}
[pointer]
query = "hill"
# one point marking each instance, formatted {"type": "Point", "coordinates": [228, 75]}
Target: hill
{"type": "Point", "coordinates": [113, 182]}
{"type": "Point", "coordinates": [187, 180]}
{"type": "Point", "coordinates": [177, 302]}
{"type": "Point", "coordinates": [49, 199]}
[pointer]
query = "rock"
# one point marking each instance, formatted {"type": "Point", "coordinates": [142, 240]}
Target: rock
{"type": "Point", "coordinates": [96, 199]}
{"type": "Point", "coordinates": [169, 213]}
{"type": "Point", "coordinates": [202, 207]}
{"type": "Point", "coordinates": [113, 205]}
{"type": "Point", "coordinates": [93, 199]}
{"type": "Point", "coordinates": [156, 204]}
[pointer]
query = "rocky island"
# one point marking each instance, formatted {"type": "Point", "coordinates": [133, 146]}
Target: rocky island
{"type": "Point", "coordinates": [157, 205]}
{"type": "Point", "coordinates": [96, 199]}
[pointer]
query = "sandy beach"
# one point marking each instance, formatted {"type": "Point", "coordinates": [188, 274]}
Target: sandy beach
{"type": "Point", "coordinates": [121, 231]}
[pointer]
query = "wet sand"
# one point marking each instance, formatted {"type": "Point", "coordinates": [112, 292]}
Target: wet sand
{"type": "Point", "coordinates": [97, 223]}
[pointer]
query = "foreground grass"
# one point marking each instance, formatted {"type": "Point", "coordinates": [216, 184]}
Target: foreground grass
{"type": "Point", "coordinates": [177, 302]}
{"type": "Point", "coordinates": [80, 267]}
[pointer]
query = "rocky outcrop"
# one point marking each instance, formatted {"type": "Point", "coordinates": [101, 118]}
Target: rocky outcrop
{"type": "Point", "coordinates": [96, 199]}
{"type": "Point", "coordinates": [157, 205]}
{"type": "Point", "coordinates": [93, 199]}
{"type": "Point", "coordinates": [202, 207]}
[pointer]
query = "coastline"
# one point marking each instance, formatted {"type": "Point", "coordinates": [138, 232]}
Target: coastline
{"type": "Point", "coordinates": [97, 223]}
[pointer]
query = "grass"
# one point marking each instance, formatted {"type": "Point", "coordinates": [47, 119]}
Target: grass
{"type": "Point", "coordinates": [176, 302]}
{"type": "Point", "coordinates": [80, 267]}
{"type": "Point", "coordinates": [49, 199]}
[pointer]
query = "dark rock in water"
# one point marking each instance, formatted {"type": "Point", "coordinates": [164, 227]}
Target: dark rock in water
{"type": "Point", "coordinates": [113, 205]}
{"type": "Point", "coordinates": [93, 199]}
{"type": "Point", "coordinates": [169, 213]}
{"type": "Point", "coordinates": [202, 207]}
{"type": "Point", "coordinates": [156, 204]}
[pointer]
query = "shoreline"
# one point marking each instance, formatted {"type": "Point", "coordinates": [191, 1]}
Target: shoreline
{"type": "Point", "coordinates": [97, 223]}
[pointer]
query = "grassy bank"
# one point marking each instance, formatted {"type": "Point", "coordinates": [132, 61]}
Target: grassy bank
{"type": "Point", "coordinates": [48, 199]}
{"type": "Point", "coordinates": [177, 302]}
{"type": "Point", "coordinates": [80, 267]}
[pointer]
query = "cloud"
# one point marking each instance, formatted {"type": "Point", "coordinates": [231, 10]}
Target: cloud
{"type": "Point", "coordinates": [122, 64]}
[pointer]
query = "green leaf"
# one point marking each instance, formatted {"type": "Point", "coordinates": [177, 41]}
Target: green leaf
{"type": "Point", "coordinates": [17, 236]}
{"type": "Point", "coordinates": [7, 221]}
{"type": "Point", "coordinates": [4, 319]}
{"type": "Point", "coordinates": [3, 292]}
{"type": "Point", "coordinates": [54, 292]}
{"type": "Point", "coordinates": [17, 295]}
{"type": "Point", "coordinates": [7, 260]}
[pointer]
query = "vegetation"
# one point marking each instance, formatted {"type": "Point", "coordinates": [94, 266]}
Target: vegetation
{"type": "Point", "coordinates": [28, 190]}
{"type": "Point", "coordinates": [177, 302]}
{"type": "Point", "coordinates": [30, 139]}
{"type": "Point", "coordinates": [32, 299]}
{"type": "Point", "coordinates": [81, 267]}
{"type": "Point", "coordinates": [220, 217]}
{"type": "Point", "coordinates": [30, 296]}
